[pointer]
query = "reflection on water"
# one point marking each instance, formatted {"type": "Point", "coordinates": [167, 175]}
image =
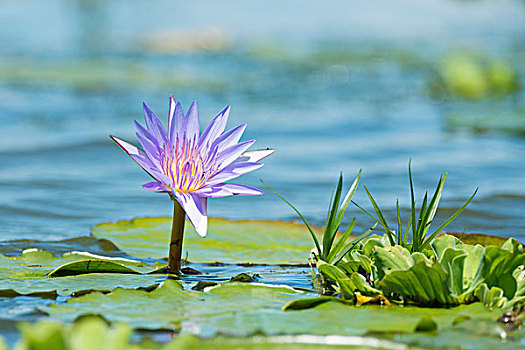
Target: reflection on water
{"type": "Point", "coordinates": [336, 86]}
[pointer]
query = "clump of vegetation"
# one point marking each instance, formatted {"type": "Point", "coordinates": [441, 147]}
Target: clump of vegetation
{"type": "Point", "coordinates": [474, 78]}
{"type": "Point", "coordinates": [419, 227]}
{"type": "Point", "coordinates": [331, 251]}
{"type": "Point", "coordinates": [411, 265]}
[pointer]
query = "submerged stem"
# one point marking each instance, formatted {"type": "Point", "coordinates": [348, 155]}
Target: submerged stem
{"type": "Point", "coordinates": [177, 235]}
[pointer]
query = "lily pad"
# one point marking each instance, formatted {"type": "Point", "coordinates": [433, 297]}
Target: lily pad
{"type": "Point", "coordinates": [95, 333]}
{"type": "Point", "coordinates": [286, 342]}
{"type": "Point", "coordinates": [29, 274]}
{"type": "Point", "coordinates": [169, 306]}
{"type": "Point", "coordinates": [336, 318]}
{"type": "Point", "coordinates": [479, 334]}
{"type": "Point", "coordinates": [245, 241]}
{"type": "Point", "coordinates": [244, 309]}
{"type": "Point", "coordinates": [83, 244]}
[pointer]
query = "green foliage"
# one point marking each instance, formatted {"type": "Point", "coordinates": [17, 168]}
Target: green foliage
{"type": "Point", "coordinates": [170, 305]}
{"type": "Point", "coordinates": [244, 309]}
{"type": "Point", "coordinates": [452, 273]}
{"type": "Point", "coordinates": [36, 273]}
{"type": "Point", "coordinates": [418, 223]}
{"type": "Point", "coordinates": [88, 333]}
{"type": "Point", "coordinates": [228, 241]}
{"type": "Point", "coordinates": [332, 251]}
{"type": "Point", "coordinates": [475, 78]}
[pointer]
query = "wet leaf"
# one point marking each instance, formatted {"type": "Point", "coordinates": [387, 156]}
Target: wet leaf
{"type": "Point", "coordinates": [245, 241]}
{"type": "Point", "coordinates": [83, 244]}
{"type": "Point", "coordinates": [90, 266]}
{"type": "Point", "coordinates": [243, 309]}
{"type": "Point", "coordinates": [149, 308]}
{"type": "Point", "coordinates": [426, 324]}
{"type": "Point", "coordinates": [426, 285]}
{"type": "Point", "coordinates": [308, 303]}
{"type": "Point", "coordinates": [29, 274]}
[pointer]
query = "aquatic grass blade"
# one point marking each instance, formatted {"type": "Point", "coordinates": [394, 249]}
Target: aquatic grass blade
{"type": "Point", "coordinates": [431, 211]}
{"type": "Point", "coordinates": [434, 203]}
{"type": "Point", "coordinates": [382, 219]}
{"type": "Point", "coordinates": [340, 243]}
{"type": "Point", "coordinates": [352, 244]}
{"type": "Point", "coordinates": [400, 236]}
{"type": "Point", "coordinates": [452, 217]}
{"type": "Point", "coordinates": [407, 229]}
{"type": "Point", "coordinates": [329, 230]}
{"type": "Point", "coordinates": [416, 238]}
{"type": "Point", "coordinates": [328, 212]}
{"type": "Point", "coordinates": [365, 211]}
{"type": "Point", "coordinates": [317, 246]}
{"type": "Point", "coordinates": [331, 233]}
{"type": "Point", "coordinates": [412, 199]}
{"type": "Point", "coordinates": [347, 200]}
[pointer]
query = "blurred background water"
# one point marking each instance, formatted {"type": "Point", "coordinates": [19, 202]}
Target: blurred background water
{"type": "Point", "coordinates": [333, 86]}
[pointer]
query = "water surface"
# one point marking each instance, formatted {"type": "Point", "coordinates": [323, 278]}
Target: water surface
{"type": "Point", "coordinates": [336, 86]}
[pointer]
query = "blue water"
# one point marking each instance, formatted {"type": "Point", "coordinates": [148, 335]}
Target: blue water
{"type": "Point", "coordinates": [333, 86]}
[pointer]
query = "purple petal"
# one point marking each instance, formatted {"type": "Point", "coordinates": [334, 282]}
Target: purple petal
{"type": "Point", "coordinates": [155, 187]}
{"type": "Point", "coordinates": [191, 122]}
{"type": "Point", "coordinates": [127, 147]}
{"type": "Point", "coordinates": [225, 190]}
{"type": "Point", "coordinates": [230, 154]}
{"type": "Point", "coordinates": [255, 155]}
{"type": "Point", "coordinates": [154, 125]}
{"type": "Point", "coordinates": [214, 128]}
{"type": "Point", "coordinates": [196, 209]}
{"type": "Point", "coordinates": [215, 191]}
{"type": "Point", "coordinates": [140, 157]}
{"type": "Point", "coordinates": [171, 112]}
{"type": "Point", "coordinates": [176, 123]}
{"type": "Point", "coordinates": [232, 171]}
{"type": "Point", "coordinates": [149, 143]}
{"type": "Point", "coordinates": [230, 137]}
{"type": "Point", "coordinates": [151, 169]}
{"type": "Point", "coordinates": [242, 190]}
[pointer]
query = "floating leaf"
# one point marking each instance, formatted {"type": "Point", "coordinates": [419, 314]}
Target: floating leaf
{"type": "Point", "coordinates": [28, 274]}
{"type": "Point", "coordinates": [242, 309]}
{"type": "Point", "coordinates": [308, 303]}
{"type": "Point", "coordinates": [90, 266]}
{"type": "Point", "coordinates": [245, 241]}
{"type": "Point", "coordinates": [427, 324]}
{"type": "Point", "coordinates": [149, 308]}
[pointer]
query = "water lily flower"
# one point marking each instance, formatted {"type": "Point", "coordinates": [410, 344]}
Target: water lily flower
{"type": "Point", "coordinates": [190, 167]}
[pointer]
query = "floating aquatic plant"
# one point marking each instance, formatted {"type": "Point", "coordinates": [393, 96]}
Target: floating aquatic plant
{"type": "Point", "coordinates": [328, 251]}
{"type": "Point", "coordinates": [417, 224]}
{"type": "Point", "coordinates": [190, 167]}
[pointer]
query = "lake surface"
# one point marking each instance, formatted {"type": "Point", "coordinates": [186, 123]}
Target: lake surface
{"type": "Point", "coordinates": [333, 86]}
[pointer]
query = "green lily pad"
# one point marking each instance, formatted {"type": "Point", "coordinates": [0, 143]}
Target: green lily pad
{"type": "Point", "coordinates": [31, 274]}
{"type": "Point", "coordinates": [90, 266]}
{"type": "Point", "coordinates": [479, 334]}
{"type": "Point", "coordinates": [169, 306]}
{"type": "Point", "coordinates": [286, 342]}
{"type": "Point", "coordinates": [337, 318]}
{"type": "Point", "coordinates": [243, 309]}
{"type": "Point", "coordinates": [245, 241]}
{"type": "Point", "coordinates": [83, 244]}
{"type": "Point", "coordinates": [95, 333]}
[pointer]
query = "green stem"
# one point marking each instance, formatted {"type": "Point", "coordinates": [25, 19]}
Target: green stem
{"type": "Point", "coordinates": [177, 235]}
